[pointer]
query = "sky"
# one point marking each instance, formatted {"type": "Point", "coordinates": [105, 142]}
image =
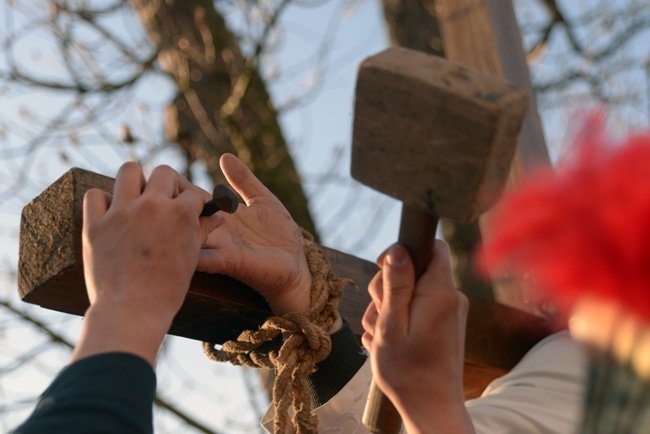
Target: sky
{"type": "Point", "coordinates": [318, 132]}
{"type": "Point", "coordinates": [315, 59]}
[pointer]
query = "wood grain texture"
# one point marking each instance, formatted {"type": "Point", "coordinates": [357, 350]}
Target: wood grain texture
{"type": "Point", "coordinates": [217, 308]}
{"type": "Point", "coordinates": [434, 134]}
{"type": "Point", "coordinates": [484, 34]}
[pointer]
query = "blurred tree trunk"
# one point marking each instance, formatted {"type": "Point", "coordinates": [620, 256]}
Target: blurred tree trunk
{"type": "Point", "coordinates": [413, 24]}
{"type": "Point", "coordinates": [222, 103]}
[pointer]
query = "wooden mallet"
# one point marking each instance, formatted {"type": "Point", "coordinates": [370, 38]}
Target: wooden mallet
{"type": "Point", "coordinates": [440, 138]}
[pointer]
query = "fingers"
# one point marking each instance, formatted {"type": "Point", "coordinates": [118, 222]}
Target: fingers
{"type": "Point", "coordinates": [211, 261]}
{"type": "Point", "coordinates": [376, 289]}
{"type": "Point", "coordinates": [398, 289]}
{"type": "Point", "coordinates": [366, 341]}
{"type": "Point", "coordinates": [163, 180]}
{"type": "Point", "coordinates": [209, 224]}
{"type": "Point", "coordinates": [438, 275]}
{"type": "Point", "coordinates": [129, 184]}
{"type": "Point", "coordinates": [391, 290]}
{"type": "Point", "coordinates": [95, 205]}
{"type": "Point", "coordinates": [369, 322]}
{"type": "Point", "coordinates": [195, 197]}
{"type": "Point", "coordinates": [185, 185]}
{"type": "Point", "coordinates": [170, 183]}
{"type": "Point", "coordinates": [242, 179]}
{"type": "Point", "coordinates": [369, 319]}
{"type": "Point", "coordinates": [166, 181]}
{"type": "Point", "coordinates": [439, 302]}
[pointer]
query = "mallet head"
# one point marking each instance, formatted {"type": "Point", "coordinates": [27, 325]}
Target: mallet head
{"type": "Point", "coordinates": [436, 135]}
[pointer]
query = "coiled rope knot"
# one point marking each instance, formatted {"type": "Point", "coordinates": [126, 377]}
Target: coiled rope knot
{"type": "Point", "coordinates": [306, 342]}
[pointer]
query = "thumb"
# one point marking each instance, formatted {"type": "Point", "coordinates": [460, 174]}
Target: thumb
{"type": "Point", "coordinates": [241, 178]}
{"type": "Point", "coordinates": [398, 288]}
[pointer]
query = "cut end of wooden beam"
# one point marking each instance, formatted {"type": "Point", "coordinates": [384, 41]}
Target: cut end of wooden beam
{"type": "Point", "coordinates": [43, 254]}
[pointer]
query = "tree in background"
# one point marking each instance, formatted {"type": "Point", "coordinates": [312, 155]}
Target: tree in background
{"type": "Point", "coordinates": [221, 103]}
{"type": "Point", "coordinates": [98, 56]}
{"type": "Point", "coordinates": [112, 75]}
{"type": "Point", "coordinates": [580, 53]}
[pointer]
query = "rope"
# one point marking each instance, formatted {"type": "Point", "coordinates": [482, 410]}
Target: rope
{"type": "Point", "coordinates": [306, 342]}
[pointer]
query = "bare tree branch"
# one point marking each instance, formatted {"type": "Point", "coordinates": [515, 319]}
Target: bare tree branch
{"type": "Point", "coordinates": [15, 75]}
{"type": "Point", "coordinates": [56, 338]}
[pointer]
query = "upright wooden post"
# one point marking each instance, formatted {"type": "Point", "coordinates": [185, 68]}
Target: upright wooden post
{"type": "Point", "coordinates": [218, 308]}
{"type": "Point", "coordinates": [484, 34]}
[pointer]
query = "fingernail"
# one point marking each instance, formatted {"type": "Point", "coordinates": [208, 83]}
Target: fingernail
{"type": "Point", "coordinates": [396, 256]}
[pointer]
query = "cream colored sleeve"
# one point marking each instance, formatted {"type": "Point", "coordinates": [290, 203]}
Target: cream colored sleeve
{"type": "Point", "coordinates": [341, 414]}
{"type": "Point", "coordinates": [542, 395]}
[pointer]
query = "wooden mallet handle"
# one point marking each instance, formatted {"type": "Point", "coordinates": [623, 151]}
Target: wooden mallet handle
{"type": "Point", "coordinates": [417, 233]}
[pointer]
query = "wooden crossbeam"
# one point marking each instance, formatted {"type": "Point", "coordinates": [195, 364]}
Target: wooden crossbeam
{"type": "Point", "coordinates": [217, 308]}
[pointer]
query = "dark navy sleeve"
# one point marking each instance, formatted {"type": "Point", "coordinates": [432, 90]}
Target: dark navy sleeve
{"type": "Point", "coordinates": [107, 393]}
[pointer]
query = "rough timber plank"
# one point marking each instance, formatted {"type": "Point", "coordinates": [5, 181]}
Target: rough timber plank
{"type": "Point", "coordinates": [51, 268]}
{"type": "Point", "coordinates": [217, 307]}
{"type": "Point", "coordinates": [484, 34]}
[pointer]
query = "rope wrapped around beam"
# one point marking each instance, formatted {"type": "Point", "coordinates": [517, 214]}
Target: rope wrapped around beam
{"type": "Point", "coordinates": [306, 342]}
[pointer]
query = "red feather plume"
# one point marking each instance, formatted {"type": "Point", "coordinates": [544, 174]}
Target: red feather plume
{"type": "Point", "coordinates": [583, 227]}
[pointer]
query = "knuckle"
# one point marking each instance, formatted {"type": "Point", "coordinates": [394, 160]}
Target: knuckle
{"type": "Point", "coordinates": [150, 202]}
{"type": "Point", "coordinates": [92, 195]}
{"type": "Point", "coordinates": [187, 211]}
{"type": "Point", "coordinates": [128, 167]}
{"type": "Point", "coordinates": [92, 192]}
{"type": "Point", "coordinates": [368, 320]}
{"type": "Point", "coordinates": [454, 300]}
{"type": "Point", "coordinates": [183, 212]}
{"type": "Point", "coordinates": [375, 285]}
{"type": "Point", "coordinates": [382, 344]}
{"type": "Point", "coordinates": [399, 286]}
{"type": "Point", "coordinates": [164, 170]}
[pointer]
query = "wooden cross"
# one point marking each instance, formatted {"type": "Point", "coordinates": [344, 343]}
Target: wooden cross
{"type": "Point", "coordinates": [484, 34]}
{"type": "Point", "coordinates": [480, 33]}
{"type": "Point", "coordinates": [217, 308]}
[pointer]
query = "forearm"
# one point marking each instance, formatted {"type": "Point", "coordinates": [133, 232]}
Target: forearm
{"type": "Point", "coordinates": [114, 391]}
{"type": "Point", "coordinates": [112, 328]}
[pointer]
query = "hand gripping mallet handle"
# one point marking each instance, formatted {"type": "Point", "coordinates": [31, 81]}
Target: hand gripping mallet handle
{"type": "Point", "coordinates": [440, 138]}
{"type": "Point", "coordinates": [417, 233]}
